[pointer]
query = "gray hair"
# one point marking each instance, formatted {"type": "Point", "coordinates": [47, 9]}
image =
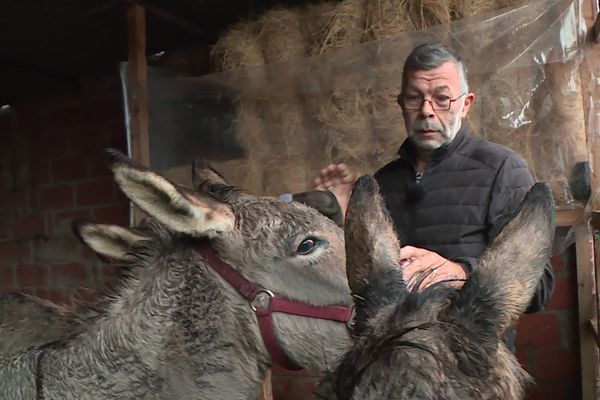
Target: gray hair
{"type": "Point", "coordinates": [431, 55]}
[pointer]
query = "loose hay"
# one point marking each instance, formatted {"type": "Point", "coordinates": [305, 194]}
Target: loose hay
{"type": "Point", "coordinates": [281, 35]}
{"type": "Point", "coordinates": [426, 13]}
{"type": "Point", "coordinates": [467, 8]}
{"type": "Point", "coordinates": [238, 48]}
{"type": "Point", "coordinates": [345, 27]}
{"type": "Point", "coordinates": [386, 18]}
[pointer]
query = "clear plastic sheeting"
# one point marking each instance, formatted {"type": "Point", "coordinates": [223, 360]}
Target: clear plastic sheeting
{"type": "Point", "coordinates": [270, 128]}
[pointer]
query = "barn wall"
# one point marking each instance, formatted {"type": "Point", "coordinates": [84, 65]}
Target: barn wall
{"type": "Point", "coordinates": [52, 170]}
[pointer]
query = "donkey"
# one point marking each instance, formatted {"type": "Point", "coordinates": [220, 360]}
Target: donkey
{"type": "Point", "coordinates": [442, 342]}
{"type": "Point", "coordinates": [187, 322]}
{"type": "Point", "coordinates": [28, 321]}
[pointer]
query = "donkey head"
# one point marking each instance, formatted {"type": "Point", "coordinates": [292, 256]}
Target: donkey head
{"type": "Point", "coordinates": [443, 342]}
{"type": "Point", "coordinates": [287, 248]}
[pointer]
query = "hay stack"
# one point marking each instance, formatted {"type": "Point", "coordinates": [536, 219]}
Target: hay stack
{"type": "Point", "coordinates": [345, 26]}
{"type": "Point", "coordinates": [280, 35]}
{"type": "Point", "coordinates": [426, 13]}
{"type": "Point", "coordinates": [386, 18]}
{"type": "Point", "coordinates": [346, 121]}
{"type": "Point", "coordinates": [561, 127]}
{"type": "Point", "coordinates": [238, 48]}
{"type": "Point", "coordinates": [315, 17]}
{"type": "Point", "coordinates": [466, 8]}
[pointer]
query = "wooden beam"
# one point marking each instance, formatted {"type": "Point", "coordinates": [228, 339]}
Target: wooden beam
{"type": "Point", "coordinates": [586, 282]}
{"type": "Point", "coordinates": [266, 392]}
{"type": "Point", "coordinates": [137, 87]}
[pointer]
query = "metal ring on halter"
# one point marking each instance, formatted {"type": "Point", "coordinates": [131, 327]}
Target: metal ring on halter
{"type": "Point", "coordinates": [265, 291]}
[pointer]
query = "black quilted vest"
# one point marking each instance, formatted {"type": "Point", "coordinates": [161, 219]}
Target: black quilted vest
{"type": "Point", "coordinates": [462, 199]}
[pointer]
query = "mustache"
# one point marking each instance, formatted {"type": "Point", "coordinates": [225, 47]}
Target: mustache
{"type": "Point", "coordinates": [426, 126]}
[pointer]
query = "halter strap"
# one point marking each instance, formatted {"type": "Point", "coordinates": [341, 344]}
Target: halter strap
{"type": "Point", "coordinates": [256, 296]}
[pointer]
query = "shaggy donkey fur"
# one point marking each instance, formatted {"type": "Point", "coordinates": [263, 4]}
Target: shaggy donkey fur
{"type": "Point", "coordinates": [442, 342]}
{"type": "Point", "coordinates": [175, 329]}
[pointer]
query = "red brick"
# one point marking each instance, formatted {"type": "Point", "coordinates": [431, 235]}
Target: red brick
{"type": "Point", "coordinates": [32, 275]}
{"type": "Point", "coordinates": [558, 263]}
{"type": "Point", "coordinates": [56, 296]}
{"type": "Point", "coordinates": [118, 215]}
{"type": "Point", "coordinates": [109, 272]}
{"type": "Point", "coordinates": [7, 276]}
{"type": "Point", "coordinates": [547, 391]}
{"type": "Point", "coordinates": [99, 168]}
{"type": "Point", "coordinates": [60, 196]}
{"type": "Point", "coordinates": [39, 171]}
{"type": "Point", "coordinates": [68, 273]}
{"type": "Point", "coordinates": [51, 147]}
{"type": "Point", "coordinates": [95, 193]}
{"type": "Point", "coordinates": [565, 294]}
{"type": "Point", "coordinates": [14, 201]}
{"type": "Point", "coordinates": [93, 143]}
{"type": "Point", "coordinates": [28, 226]}
{"type": "Point", "coordinates": [557, 365]}
{"type": "Point", "coordinates": [69, 169]}
{"type": "Point", "coordinates": [540, 330]}
{"type": "Point", "coordinates": [5, 223]}
{"type": "Point", "coordinates": [15, 251]}
{"type": "Point", "coordinates": [61, 223]}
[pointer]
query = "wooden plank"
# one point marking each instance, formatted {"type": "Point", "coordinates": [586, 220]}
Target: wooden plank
{"type": "Point", "coordinates": [137, 87]}
{"type": "Point", "coordinates": [569, 217]}
{"type": "Point", "coordinates": [587, 269]}
{"type": "Point", "coordinates": [266, 390]}
{"type": "Point", "coordinates": [137, 84]}
{"type": "Point", "coordinates": [586, 293]}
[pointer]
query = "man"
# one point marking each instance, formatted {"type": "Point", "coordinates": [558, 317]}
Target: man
{"type": "Point", "coordinates": [449, 194]}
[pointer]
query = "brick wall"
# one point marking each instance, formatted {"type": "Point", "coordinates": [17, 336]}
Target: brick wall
{"type": "Point", "coordinates": [52, 170]}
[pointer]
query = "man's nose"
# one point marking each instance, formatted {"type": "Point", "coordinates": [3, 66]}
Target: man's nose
{"type": "Point", "coordinates": [426, 109]}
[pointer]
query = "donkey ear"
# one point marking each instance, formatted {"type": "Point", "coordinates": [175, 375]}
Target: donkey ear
{"type": "Point", "coordinates": [194, 214]}
{"type": "Point", "coordinates": [372, 247]}
{"type": "Point", "coordinates": [204, 175]}
{"type": "Point", "coordinates": [502, 285]}
{"type": "Point", "coordinates": [108, 241]}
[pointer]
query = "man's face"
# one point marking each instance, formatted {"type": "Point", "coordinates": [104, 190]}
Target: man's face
{"type": "Point", "coordinates": [430, 129]}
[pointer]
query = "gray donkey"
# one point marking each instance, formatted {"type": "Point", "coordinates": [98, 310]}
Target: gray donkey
{"type": "Point", "coordinates": [28, 321]}
{"type": "Point", "coordinates": [176, 329]}
{"type": "Point", "coordinates": [441, 342]}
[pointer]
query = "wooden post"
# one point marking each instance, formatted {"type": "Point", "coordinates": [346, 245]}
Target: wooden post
{"type": "Point", "coordinates": [137, 87]}
{"type": "Point", "coordinates": [588, 277]}
{"type": "Point", "coordinates": [266, 392]}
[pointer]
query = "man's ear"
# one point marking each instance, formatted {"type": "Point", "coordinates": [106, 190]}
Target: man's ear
{"type": "Point", "coordinates": [469, 100]}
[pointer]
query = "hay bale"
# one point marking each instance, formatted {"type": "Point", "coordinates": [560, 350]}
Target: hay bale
{"type": "Point", "coordinates": [426, 13]}
{"type": "Point", "coordinates": [280, 35]}
{"type": "Point", "coordinates": [314, 20]}
{"type": "Point", "coordinates": [562, 140]}
{"type": "Point", "coordinates": [386, 18]}
{"type": "Point", "coordinates": [387, 125]}
{"type": "Point", "coordinates": [345, 26]}
{"type": "Point", "coordinates": [347, 123]}
{"type": "Point", "coordinates": [238, 48]}
{"type": "Point", "coordinates": [466, 8]}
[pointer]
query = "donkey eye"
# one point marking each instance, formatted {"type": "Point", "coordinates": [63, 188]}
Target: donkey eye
{"type": "Point", "coordinates": [307, 246]}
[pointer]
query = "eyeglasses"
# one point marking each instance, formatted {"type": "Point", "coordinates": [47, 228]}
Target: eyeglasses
{"type": "Point", "coordinates": [415, 103]}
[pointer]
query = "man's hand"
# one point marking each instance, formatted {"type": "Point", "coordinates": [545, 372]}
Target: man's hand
{"type": "Point", "coordinates": [339, 180]}
{"type": "Point", "coordinates": [415, 261]}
